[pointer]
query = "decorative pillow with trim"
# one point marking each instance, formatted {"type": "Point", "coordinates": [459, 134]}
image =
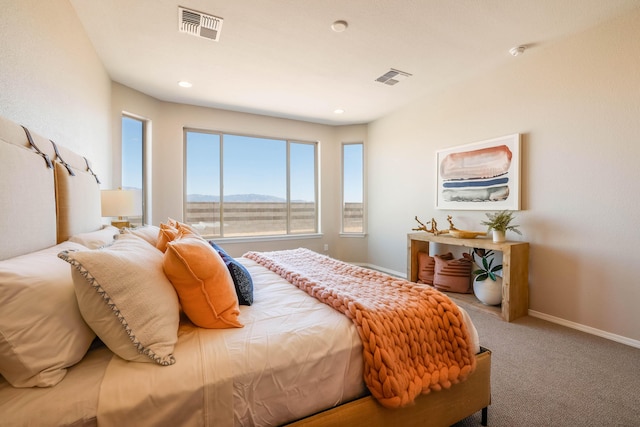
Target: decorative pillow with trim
{"type": "Point", "coordinates": [242, 280]}
{"type": "Point", "coordinates": [203, 282]}
{"type": "Point", "coordinates": [127, 300]}
{"type": "Point", "coordinates": [41, 329]}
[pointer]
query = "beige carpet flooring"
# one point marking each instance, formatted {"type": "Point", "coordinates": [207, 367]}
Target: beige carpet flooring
{"type": "Point", "coordinates": [544, 374]}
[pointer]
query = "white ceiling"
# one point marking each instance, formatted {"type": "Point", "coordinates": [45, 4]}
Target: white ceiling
{"type": "Point", "coordinates": [281, 58]}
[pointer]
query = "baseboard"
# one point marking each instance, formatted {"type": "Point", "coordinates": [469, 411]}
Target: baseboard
{"type": "Point", "coordinates": [384, 270]}
{"type": "Point", "coordinates": [587, 329]}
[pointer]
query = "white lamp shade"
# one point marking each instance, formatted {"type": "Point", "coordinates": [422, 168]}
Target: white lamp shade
{"type": "Point", "coordinates": [120, 203]}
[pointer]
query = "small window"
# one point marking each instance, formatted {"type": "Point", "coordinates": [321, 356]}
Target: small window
{"type": "Point", "coordinates": [353, 218]}
{"type": "Point", "coordinates": [133, 149]}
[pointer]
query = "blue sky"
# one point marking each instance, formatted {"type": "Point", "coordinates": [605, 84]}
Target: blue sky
{"type": "Point", "coordinates": [131, 153]}
{"type": "Point", "coordinates": [353, 173]}
{"type": "Point", "coordinates": [251, 165]}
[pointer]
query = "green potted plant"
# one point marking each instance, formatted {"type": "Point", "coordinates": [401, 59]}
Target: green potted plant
{"type": "Point", "coordinates": [487, 285]}
{"type": "Point", "coordinates": [500, 223]}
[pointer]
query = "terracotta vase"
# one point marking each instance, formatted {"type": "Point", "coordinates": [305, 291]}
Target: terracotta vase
{"type": "Point", "coordinates": [488, 291]}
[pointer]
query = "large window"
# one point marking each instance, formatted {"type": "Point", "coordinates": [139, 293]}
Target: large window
{"type": "Point", "coordinates": [133, 146]}
{"type": "Point", "coordinates": [353, 188]}
{"type": "Point", "coordinates": [237, 185]}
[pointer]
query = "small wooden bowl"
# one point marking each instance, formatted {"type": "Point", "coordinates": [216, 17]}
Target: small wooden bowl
{"type": "Point", "coordinates": [464, 234]}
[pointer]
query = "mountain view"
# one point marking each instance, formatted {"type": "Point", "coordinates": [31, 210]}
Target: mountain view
{"type": "Point", "coordinates": [238, 198]}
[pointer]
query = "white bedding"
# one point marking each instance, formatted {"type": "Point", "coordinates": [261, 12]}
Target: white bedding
{"type": "Point", "coordinates": [72, 402]}
{"type": "Point", "coordinates": [295, 356]}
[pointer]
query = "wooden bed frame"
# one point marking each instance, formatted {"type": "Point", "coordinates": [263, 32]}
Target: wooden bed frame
{"type": "Point", "coordinates": [435, 409]}
{"type": "Point", "coordinates": [34, 192]}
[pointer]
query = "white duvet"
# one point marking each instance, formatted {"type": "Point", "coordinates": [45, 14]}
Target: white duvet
{"type": "Point", "coordinates": [295, 356]}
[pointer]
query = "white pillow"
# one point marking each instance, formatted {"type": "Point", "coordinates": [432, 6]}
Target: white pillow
{"type": "Point", "coordinates": [96, 239]}
{"type": "Point", "coordinates": [147, 232]}
{"type": "Point", "coordinates": [41, 329]}
{"type": "Point", "coordinates": [127, 300]}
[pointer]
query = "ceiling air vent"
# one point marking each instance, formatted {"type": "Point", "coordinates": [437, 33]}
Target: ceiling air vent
{"type": "Point", "coordinates": [392, 77]}
{"type": "Point", "coordinates": [199, 24]}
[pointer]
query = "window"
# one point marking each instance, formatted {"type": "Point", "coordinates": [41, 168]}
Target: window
{"type": "Point", "coordinates": [353, 188]}
{"type": "Point", "coordinates": [237, 185]}
{"type": "Point", "coordinates": [133, 149]}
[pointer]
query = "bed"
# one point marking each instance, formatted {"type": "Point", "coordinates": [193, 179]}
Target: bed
{"type": "Point", "coordinates": [284, 357]}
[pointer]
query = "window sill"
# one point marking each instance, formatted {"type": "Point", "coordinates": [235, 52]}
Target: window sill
{"type": "Point", "coordinates": [249, 239]}
{"type": "Point", "coordinates": [356, 235]}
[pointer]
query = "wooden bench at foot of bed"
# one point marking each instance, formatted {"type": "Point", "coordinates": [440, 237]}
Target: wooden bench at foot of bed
{"type": "Point", "coordinates": [435, 409]}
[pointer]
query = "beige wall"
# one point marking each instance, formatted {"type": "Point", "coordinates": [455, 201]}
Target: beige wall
{"type": "Point", "coordinates": [52, 81]}
{"type": "Point", "coordinates": [577, 104]}
{"type": "Point", "coordinates": [167, 123]}
{"type": "Point", "coordinates": [141, 106]}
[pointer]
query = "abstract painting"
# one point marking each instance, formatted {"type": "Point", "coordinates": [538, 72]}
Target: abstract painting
{"type": "Point", "coordinates": [482, 176]}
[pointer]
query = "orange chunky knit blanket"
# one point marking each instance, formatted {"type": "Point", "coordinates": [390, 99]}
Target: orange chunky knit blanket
{"type": "Point", "coordinates": [414, 339]}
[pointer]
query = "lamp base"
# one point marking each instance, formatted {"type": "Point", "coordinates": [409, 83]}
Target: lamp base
{"type": "Point", "coordinates": [121, 224]}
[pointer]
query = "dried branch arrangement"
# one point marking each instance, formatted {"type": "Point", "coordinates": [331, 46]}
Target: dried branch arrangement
{"type": "Point", "coordinates": [453, 231]}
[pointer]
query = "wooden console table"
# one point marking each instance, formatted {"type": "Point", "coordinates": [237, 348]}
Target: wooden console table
{"type": "Point", "coordinates": [515, 270]}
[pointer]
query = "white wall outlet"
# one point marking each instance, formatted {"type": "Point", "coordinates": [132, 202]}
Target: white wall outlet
{"type": "Point", "coordinates": [326, 246]}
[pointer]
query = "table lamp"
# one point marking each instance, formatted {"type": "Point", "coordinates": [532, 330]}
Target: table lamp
{"type": "Point", "coordinates": [121, 204]}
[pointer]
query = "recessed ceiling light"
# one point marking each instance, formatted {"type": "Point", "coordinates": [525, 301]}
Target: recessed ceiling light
{"type": "Point", "coordinates": [184, 83]}
{"type": "Point", "coordinates": [339, 26]}
{"type": "Point", "coordinates": [517, 51]}
{"type": "Point", "coordinates": [338, 111]}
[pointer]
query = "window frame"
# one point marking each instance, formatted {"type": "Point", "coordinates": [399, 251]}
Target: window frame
{"type": "Point", "coordinates": [288, 141]}
{"type": "Point", "coordinates": [344, 233]}
{"type": "Point", "coordinates": [145, 131]}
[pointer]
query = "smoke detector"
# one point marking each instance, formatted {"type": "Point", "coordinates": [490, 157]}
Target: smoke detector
{"type": "Point", "coordinates": [392, 77]}
{"type": "Point", "coordinates": [199, 24]}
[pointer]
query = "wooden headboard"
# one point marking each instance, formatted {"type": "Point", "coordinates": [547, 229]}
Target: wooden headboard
{"type": "Point", "coordinates": [47, 192]}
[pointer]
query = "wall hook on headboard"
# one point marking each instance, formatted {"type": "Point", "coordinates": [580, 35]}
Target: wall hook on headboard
{"type": "Point", "coordinates": [35, 147]}
{"type": "Point", "coordinates": [90, 170]}
{"type": "Point", "coordinates": [65, 164]}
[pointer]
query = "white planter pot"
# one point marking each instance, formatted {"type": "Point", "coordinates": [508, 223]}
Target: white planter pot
{"type": "Point", "coordinates": [489, 292]}
{"type": "Point", "coordinates": [499, 236]}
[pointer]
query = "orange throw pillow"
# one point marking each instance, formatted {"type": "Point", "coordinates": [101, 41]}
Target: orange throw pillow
{"type": "Point", "coordinates": [166, 234]}
{"type": "Point", "coordinates": [426, 266]}
{"type": "Point", "coordinates": [453, 275]}
{"type": "Point", "coordinates": [202, 281]}
{"type": "Point", "coordinates": [169, 231]}
{"type": "Point", "coordinates": [180, 225]}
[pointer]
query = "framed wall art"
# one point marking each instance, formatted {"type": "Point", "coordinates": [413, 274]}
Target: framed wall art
{"type": "Point", "coordinates": [483, 175]}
